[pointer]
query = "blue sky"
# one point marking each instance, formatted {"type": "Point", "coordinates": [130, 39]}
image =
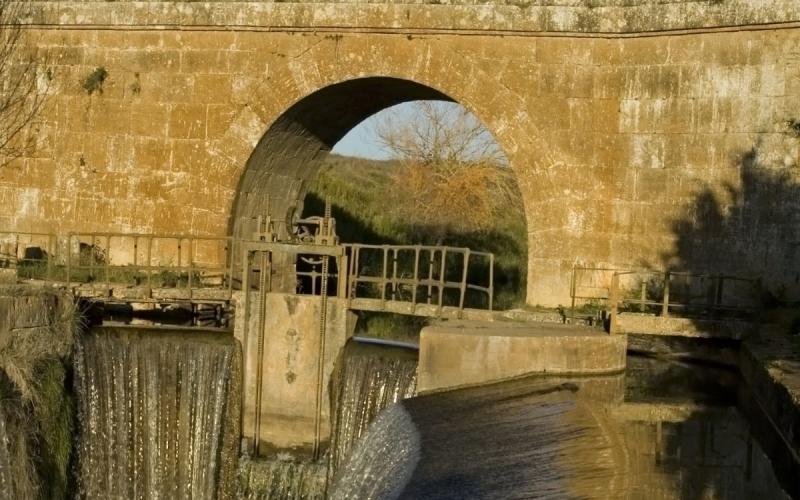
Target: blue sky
{"type": "Point", "coordinates": [361, 140]}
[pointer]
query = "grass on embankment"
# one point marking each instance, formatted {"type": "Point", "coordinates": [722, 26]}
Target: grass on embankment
{"type": "Point", "coordinates": [358, 191]}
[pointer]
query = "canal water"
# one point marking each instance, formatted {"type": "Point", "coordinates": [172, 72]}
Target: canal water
{"type": "Point", "coordinates": [158, 418]}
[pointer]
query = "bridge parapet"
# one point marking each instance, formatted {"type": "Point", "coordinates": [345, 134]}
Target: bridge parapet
{"type": "Point", "coordinates": [599, 16]}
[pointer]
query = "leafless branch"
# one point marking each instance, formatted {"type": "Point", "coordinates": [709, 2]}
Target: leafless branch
{"type": "Point", "coordinates": [452, 170]}
{"type": "Point", "coordinates": [24, 82]}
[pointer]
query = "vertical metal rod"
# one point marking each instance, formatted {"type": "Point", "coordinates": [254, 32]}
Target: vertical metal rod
{"type": "Point", "coordinates": [665, 305]}
{"type": "Point", "coordinates": [572, 292]}
{"type": "Point", "coordinates": [149, 263]}
{"type": "Point", "coordinates": [91, 257]}
{"type": "Point", "coordinates": [245, 314]}
{"type": "Point", "coordinates": [416, 276]}
{"type": "Point", "coordinates": [383, 279]}
{"type": "Point", "coordinates": [50, 254]}
{"type": "Point", "coordinates": [262, 319]}
{"type": "Point", "coordinates": [614, 299]}
{"type": "Point", "coordinates": [191, 262]}
{"type": "Point", "coordinates": [441, 278]}
{"type": "Point", "coordinates": [108, 260]}
{"type": "Point", "coordinates": [394, 274]}
{"type": "Point", "coordinates": [180, 262]}
{"type": "Point", "coordinates": [342, 267]}
{"type": "Point", "coordinates": [643, 296]}
{"type": "Point", "coordinates": [463, 288]}
{"type": "Point", "coordinates": [69, 259]}
{"type": "Point", "coordinates": [491, 281]}
{"type": "Point", "coordinates": [431, 256]}
{"type": "Point", "coordinates": [323, 320]}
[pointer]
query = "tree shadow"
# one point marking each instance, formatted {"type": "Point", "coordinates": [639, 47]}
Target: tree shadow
{"type": "Point", "coordinates": [749, 227]}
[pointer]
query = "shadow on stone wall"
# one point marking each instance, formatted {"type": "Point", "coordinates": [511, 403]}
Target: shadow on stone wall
{"type": "Point", "coordinates": [749, 230]}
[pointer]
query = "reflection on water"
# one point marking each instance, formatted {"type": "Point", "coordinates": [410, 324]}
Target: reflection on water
{"type": "Point", "coordinates": [540, 439]}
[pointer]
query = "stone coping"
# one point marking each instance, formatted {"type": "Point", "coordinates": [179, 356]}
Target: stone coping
{"type": "Point", "coordinates": [508, 16]}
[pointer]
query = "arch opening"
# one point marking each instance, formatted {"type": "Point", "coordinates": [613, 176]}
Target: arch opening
{"type": "Point", "coordinates": [286, 162]}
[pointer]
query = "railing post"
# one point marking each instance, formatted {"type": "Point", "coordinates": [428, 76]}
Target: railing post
{"type": "Point", "coordinates": [383, 279]}
{"type": "Point", "coordinates": [342, 266]}
{"type": "Point", "coordinates": [643, 297]}
{"type": "Point", "coordinates": [463, 287]}
{"type": "Point", "coordinates": [491, 281]}
{"type": "Point", "coordinates": [431, 257]}
{"type": "Point", "coordinates": [442, 278]}
{"type": "Point", "coordinates": [191, 263]}
{"type": "Point", "coordinates": [394, 274]}
{"type": "Point", "coordinates": [69, 259]}
{"type": "Point", "coordinates": [415, 277]}
{"type": "Point", "coordinates": [572, 288]}
{"type": "Point", "coordinates": [51, 245]}
{"type": "Point", "coordinates": [108, 261]}
{"type": "Point", "coordinates": [614, 300]}
{"type": "Point", "coordinates": [665, 304]}
{"type": "Point", "coordinates": [149, 265]}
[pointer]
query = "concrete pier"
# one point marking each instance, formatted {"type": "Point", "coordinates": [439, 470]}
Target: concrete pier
{"type": "Point", "coordinates": [460, 353]}
{"type": "Point", "coordinates": [285, 414]}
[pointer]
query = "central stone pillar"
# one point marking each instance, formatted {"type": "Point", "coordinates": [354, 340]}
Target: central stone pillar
{"type": "Point", "coordinates": [285, 416]}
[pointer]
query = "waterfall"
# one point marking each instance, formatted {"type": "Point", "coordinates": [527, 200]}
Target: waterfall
{"type": "Point", "coordinates": [263, 479]}
{"type": "Point", "coordinates": [382, 463]}
{"type": "Point", "coordinates": [368, 379]}
{"type": "Point", "coordinates": [158, 414]}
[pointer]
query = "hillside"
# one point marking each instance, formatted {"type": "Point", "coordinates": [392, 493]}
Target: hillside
{"type": "Point", "coordinates": [358, 191]}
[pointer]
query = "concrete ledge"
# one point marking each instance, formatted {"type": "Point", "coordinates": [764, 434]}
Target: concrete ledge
{"type": "Point", "coordinates": [459, 354]}
{"type": "Point", "coordinates": [647, 324]}
{"type": "Point", "coordinates": [771, 369]}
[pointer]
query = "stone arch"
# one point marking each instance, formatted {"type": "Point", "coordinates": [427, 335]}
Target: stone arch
{"type": "Point", "coordinates": [289, 154]}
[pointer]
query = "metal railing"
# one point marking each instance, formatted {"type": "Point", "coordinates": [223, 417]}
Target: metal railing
{"type": "Point", "coordinates": [585, 286]}
{"type": "Point", "coordinates": [666, 293]}
{"type": "Point", "coordinates": [31, 254]}
{"type": "Point", "coordinates": [437, 276]}
{"type": "Point", "coordinates": [102, 259]}
{"type": "Point", "coordinates": [419, 274]}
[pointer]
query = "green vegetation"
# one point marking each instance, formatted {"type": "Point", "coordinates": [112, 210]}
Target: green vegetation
{"type": "Point", "coordinates": [94, 81]}
{"type": "Point", "coordinates": [36, 409]}
{"type": "Point", "coordinates": [358, 191]}
{"type": "Point", "coordinates": [390, 326]}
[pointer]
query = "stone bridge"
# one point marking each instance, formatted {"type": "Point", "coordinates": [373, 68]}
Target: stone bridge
{"type": "Point", "coordinates": [641, 133]}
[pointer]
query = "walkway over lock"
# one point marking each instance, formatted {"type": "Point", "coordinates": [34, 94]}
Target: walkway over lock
{"type": "Point", "coordinates": [421, 280]}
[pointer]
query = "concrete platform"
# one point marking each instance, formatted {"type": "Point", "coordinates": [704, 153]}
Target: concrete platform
{"type": "Point", "coordinates": [466, 353]}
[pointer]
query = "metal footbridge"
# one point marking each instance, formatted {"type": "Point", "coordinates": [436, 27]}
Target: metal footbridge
{"type": "Point", "coordinates": [420, 280]}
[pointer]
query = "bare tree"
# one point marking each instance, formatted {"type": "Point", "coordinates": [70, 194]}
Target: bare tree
{"type": "Point", "coordinates": [24, 82]}
{"type": "Point", "coordinates": [453, 176]}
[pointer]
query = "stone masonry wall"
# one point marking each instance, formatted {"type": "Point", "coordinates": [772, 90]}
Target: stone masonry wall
{"type": "Point", "coordinates": [671, 149]}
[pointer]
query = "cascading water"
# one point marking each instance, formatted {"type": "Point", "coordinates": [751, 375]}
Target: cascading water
{"type": "Point", "coordinates": [158, 414]}
{"type": "Point", "coordinates": [279, 479]}
{"type": "Point", "coordinates": [368, 379]}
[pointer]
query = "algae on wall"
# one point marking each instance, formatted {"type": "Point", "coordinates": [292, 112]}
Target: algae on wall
{"type": "Point", "coordinates": [37, 328]}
